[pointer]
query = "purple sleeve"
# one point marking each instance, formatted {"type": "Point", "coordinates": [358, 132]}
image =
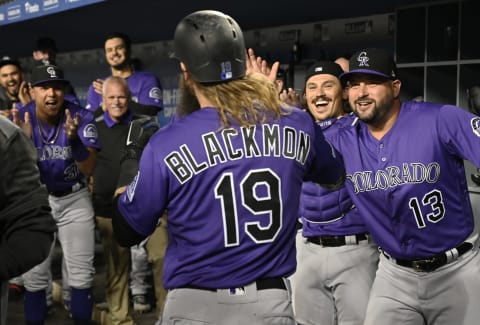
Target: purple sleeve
{"type": "Point", "coordinates": [460, 132]}
{"type": "Point", "coordinates": [87, 130]}
{"type": "Point", "coordinates": [321, 204]}
{"type": "Point", "coordinates": [327, 167]}
{"type": "Point", "coordinates": [141, 209]}
{"type": "Point", "coordinates": [93, 99]}
{"type": "Point", "coordinates": [150, 92]}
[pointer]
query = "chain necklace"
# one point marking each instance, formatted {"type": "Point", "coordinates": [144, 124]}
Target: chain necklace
{"type": "Point", "coordinates": [42, 132]}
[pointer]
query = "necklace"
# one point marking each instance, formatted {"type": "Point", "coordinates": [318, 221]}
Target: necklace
{"type": "Point", "coordinates": [42, 132]}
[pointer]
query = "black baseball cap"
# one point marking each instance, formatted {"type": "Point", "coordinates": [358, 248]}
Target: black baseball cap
{"type": "Point", "coordinates": [6, 60]}
{"type": "Point", "coordinates": [372, 61]}
{"type": "Point", "coordinates": [46, 73]}
{"type": "Point", "coordinates": [323, 67]}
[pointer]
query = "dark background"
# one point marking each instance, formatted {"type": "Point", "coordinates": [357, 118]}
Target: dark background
{"type": "Point", "coordinates": [155, 20]}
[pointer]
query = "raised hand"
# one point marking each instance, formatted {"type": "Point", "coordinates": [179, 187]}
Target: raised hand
{"type": "Point", "coordinates": [24, 124]}
{"type": "Point", "coordinates": [71, 125]}
{"type": "Point", "coordinates": [258, 67]}
{"type": "Point", "coordinates": [290, 97]}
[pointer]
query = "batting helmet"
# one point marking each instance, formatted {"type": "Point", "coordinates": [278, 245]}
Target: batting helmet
{"type": "Point", "coordinates": [211, 45]}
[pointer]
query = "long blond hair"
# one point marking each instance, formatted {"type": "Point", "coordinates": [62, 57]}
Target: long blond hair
{"type": "Point", "coordinates": [245, 101]}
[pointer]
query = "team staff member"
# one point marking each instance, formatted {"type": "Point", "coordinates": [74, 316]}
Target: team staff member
{"type": "Point", "coordinates": [229, 173]}
{"type": "Point", "coordinates": [24, 211]}
{"type": "Point", "coordinates": [113, 128]}
{"type": "Point", "coordinates": [336, 260]}
{"type": "Point", "coordinates": [145, 89]}
{"type": "Point", "coordinates": [146, 99]}
{"type": "Point", "coordinates": [406, 177]}
{"type": "Point", "coordinates": [14, 90]}
{"type": "Point", "coordinates": [65, 137]}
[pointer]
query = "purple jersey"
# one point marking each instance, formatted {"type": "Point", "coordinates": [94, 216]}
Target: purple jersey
{"type": "Point", "coordinates": [242, 182]}
{"type": "Point", "coordinates": [410, 186]}
{"type": "Point", "coordinates": [326, 212]}
{"type": "Point", "coordinates": [144, 88]}
{"type": "Point", "coordinates": [58, 170]}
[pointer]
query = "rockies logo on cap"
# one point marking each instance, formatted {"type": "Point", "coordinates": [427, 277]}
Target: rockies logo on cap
{"type": "Point", "coordinates": [46, 73]}
{"type": "Point", "coordinates": [371, 61]}
{"type": "Point", "coordinates": [51, 71]}
{"type": "Point", "coordinates": [363, 59]}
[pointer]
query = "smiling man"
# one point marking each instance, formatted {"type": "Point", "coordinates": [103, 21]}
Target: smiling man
{"type": "Point", "coordinates": [113, 126]}
{"type": "Point", "coordinates": [333, 233]}
{"type": "Point", "coordinates": [65, 137]}
{"type": "Point", "coordinates": [14, 90]}
{"type": "Point", "coordinates": [145, 89]}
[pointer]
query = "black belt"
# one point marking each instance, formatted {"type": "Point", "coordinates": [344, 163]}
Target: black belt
{"type": "Point", "coordinates": [433, 263]}
{"type": "Point", "coordinates": [336, 241]}
{"type": "Point", "coordinates": [262, 284]}
{"type": "Point", "coordinates": [75, 188]}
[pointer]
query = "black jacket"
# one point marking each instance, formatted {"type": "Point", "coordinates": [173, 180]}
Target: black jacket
{"type": "Point", "coordinates": [26, 224]}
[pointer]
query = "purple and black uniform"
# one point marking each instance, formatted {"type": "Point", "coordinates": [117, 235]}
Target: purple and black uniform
{"type": "Point", "coordinates": [411, 189]}
{"type": "Point", "coordinates": [144, 88]}
{"type": "Point", "coordinates": [71, 208]}
{"type": "Point", "coordinates": [336, 261]}
{"type": "Point", "coordinates": [58, 170]}
{"type": "Point", "coordinates": [193, 177]}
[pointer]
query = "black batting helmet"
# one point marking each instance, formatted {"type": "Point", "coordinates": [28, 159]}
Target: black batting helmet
{"type": "Point", "coordinates": [211, 45]}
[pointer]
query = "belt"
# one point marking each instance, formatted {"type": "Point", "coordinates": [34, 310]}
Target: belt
{"type": "Point", "coordinates": [432, 263]}
{"type": "Point", "coordinates": [75, 188]}
{"type": "Point", "coordinates": [336, 241]}
{"type": "Point", "coordinates": [262, 284]}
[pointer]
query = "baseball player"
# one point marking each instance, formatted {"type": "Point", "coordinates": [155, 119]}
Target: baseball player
{"type": "Point", "coordinates": [336, 259]}
{"type": "Point", "coordinates": [24, 211]}
{"type": "Point", "coordinates": [406, 176]}
{"type": "Point", "coordinates": [144, 86]}
{"type": "Point", "coordinates": [14, 91]}
{"type": "Point", "coordinates": [229, 174]}
{"type": "Point", "coordinates": [65, 137]}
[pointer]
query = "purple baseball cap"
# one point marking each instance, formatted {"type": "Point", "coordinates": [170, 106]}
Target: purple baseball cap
{"type": "Point", "coordinates": [46, 73]}
{"type": "Point", "coordinates": [371, 61]}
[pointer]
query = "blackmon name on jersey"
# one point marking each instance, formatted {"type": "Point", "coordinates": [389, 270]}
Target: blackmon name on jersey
{"type": "Point", "coordinates": [286, 142]}
{"type": "Point", "coordinates": [392, 176]}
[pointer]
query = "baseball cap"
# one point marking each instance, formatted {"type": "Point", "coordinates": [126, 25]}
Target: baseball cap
{"type": "Point", "coordinates": [372, 61]}
{"type": "Point", "coordinates": [6, 60]}
{"type": "Point", "coordinates": [323, 67]}
{"type": "Point", "coordinates": [46, 73]}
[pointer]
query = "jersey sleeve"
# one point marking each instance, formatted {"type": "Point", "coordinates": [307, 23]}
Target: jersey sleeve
{"type": "Point", "coordinates": [327, 167]}
{"type": "Point", "coordinates": [150, 92]}
{"type": "Point", "coordinates": [87, 130]}
{"type": "Point", "coordinates": [460, 132]}
{"type": "Point", "coordinates": [93, 99]}
{"type": "Point", "coordinates": [320, 204]}
{"type": "Point", "coordinates": [144, 201]}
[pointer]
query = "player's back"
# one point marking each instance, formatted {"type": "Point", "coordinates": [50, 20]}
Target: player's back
{"type": "Point", "coordinates": [242, 182]}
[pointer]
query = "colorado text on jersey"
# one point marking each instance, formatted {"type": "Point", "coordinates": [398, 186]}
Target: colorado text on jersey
{"type": "Point", "coordinates": [408, 173]}
{"type": "Point", "coordinates": [287, 142]}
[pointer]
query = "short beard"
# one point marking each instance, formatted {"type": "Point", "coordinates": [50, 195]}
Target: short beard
{"type": "Point", "coordinates": [378, 113]}
{"type": "Point", "coordinates": [187, 102]}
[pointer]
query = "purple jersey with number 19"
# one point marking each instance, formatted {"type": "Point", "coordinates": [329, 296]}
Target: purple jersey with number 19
{"type": "Point", "coordinates": [242, 182]}
{"type": "Point", "coordinates": [412, 193]}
